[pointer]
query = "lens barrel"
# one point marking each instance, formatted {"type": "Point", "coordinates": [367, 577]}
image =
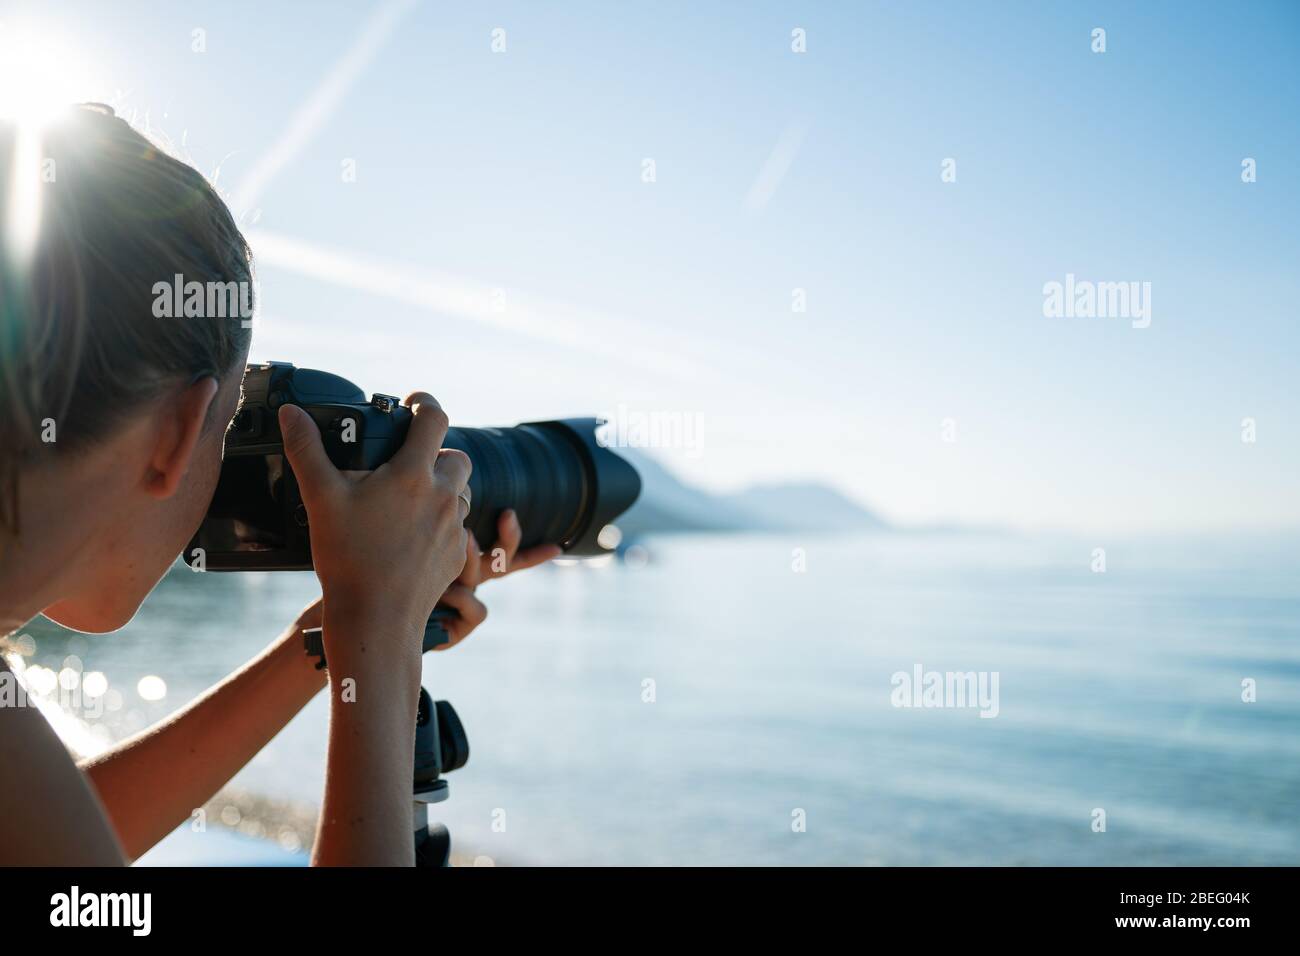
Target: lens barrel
{"type": "Point", "coordinates": [564, 486]}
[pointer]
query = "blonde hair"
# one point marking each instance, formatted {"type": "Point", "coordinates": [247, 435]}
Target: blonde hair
{"type": "Point", "coordinates": [79, 341]}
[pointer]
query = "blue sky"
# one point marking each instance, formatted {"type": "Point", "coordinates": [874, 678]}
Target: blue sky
{"type": "Point", "coordinates": [522, 172]}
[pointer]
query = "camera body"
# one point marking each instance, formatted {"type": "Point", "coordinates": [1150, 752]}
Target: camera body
{"type": "Point", "coordinates": [565, 486]}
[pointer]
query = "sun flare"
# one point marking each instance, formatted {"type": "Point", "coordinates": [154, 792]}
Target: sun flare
{"type": "Point", "coordinates": [40, 76]}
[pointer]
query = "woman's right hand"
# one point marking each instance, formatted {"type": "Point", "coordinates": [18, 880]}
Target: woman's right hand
{"type": "Point", "coordinates": [388, 542]}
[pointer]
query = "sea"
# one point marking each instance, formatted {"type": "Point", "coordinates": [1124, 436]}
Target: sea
{"type": "Point", "coordinates": [795, 700]}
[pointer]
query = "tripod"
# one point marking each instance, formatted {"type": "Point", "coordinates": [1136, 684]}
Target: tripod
{"type": "Point", "coordinates": [440, 747]}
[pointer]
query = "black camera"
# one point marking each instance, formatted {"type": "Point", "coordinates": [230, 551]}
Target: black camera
{"type": "Point", "coordinates": [564, 485]}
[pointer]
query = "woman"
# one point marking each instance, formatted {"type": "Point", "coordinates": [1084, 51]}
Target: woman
{"type": "Point", "coordinates": [111, 427]}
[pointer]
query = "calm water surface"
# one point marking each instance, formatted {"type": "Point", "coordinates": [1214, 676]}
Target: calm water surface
{"type": "Point", "coordinates": [772, 695]}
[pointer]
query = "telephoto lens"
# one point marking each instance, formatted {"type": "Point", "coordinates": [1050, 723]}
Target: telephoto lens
{"type": "Point", "coordinates": [563, 485]}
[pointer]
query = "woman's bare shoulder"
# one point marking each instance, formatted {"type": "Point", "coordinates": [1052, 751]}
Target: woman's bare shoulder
{"type": "Point", "coordinates": [49, 815]}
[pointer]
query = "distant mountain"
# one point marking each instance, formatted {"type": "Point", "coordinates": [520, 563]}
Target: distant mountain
{"type": "Point", "coordinates": [806, 507]}
{"type": "Point", "coordinates": [669, 504]}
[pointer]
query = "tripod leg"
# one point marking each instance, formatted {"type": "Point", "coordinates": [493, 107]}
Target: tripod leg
{"type": "Point", "coordinates": [435, 848]}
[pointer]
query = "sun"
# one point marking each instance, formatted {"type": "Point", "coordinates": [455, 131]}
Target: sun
{"type": "Point", "coordinates": [40, 76]}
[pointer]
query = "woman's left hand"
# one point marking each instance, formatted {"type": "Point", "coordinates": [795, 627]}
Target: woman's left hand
{"type": "Point", "coordinates": [506, 558]}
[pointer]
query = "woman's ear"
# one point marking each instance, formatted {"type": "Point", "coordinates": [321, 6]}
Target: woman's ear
{"type": "Point", "coordinates": [180, 426]}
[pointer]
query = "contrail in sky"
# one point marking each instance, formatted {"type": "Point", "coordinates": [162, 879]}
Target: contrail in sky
{"type": "Point", "coordinates": [313, 113]}
{"type": "Point", "coordinates": [773, 171]}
